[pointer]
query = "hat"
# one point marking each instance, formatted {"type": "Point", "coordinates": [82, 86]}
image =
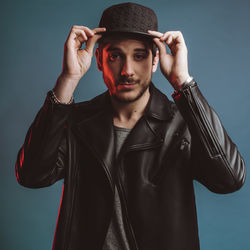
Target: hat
{"type": "Point", "coordinates": [129, 18]}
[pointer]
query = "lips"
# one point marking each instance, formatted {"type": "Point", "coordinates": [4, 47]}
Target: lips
{"type": "Point", "coordinates": [127, 83]}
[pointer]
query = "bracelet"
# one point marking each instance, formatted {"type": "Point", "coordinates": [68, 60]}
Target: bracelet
{"type": "Point", "coordinates": [56, 100]}
{"type": "Point", "coordinates": [189, 82]}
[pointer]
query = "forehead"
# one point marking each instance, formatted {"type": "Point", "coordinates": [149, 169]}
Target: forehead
{"type": "Point", "coordinates": [126, 44]}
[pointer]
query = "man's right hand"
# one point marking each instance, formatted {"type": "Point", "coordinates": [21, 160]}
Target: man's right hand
{"type": "Point", "coordinates": [76, 61]}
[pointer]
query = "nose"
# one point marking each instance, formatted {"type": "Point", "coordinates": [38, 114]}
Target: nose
{"type": "Point", "coordinates": [127, 68]}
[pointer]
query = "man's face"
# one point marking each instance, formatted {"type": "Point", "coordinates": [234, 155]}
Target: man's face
{"type": "Point", "coordinates": [127, 67]}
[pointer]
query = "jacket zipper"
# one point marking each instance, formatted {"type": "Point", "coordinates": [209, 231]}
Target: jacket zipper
{"type": "Point", "coordinates": [108, 175]}
{"type": "Point", "coordinates": [121, 192]}
{"type": "Point", "coordinates": [126, 217]}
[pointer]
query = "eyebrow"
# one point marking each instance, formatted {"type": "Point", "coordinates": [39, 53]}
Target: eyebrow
{"type": "Point", "coordinates": [111, 48]}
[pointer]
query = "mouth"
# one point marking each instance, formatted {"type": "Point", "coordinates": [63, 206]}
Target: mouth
{"type": "Point", "coordinates": [127, 83]}
{"type": "Point", "coordinates": [123, 86]}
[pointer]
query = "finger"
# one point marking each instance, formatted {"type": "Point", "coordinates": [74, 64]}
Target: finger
{"type": "Point", "coordinates": [87, 30]}
{"type": "Point", "coordinates": [169, 39]}
{"type": "Point", "coordinates": [155, 33]}
{"type": "Point", "coordinates": [91, 43]}
{"type": "Point", "coordinates": [161, 46]}
{"type": "Point", "coordinates": [84, 32]}
{"type": "Point", "coordinates": [97, 30]}
{"type": "Point", "coordinates": [171, 36]}
{"type": "Point", "coordinates": [77, 36]}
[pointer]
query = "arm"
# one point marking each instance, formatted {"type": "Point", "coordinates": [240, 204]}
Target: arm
{"type": "Point", "coordinates": [215, 160]}
{"type": "Point", "coordinates": [42, 159]}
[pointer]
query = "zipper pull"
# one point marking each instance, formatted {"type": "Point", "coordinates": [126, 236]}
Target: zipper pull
{"type": "Point", "coordinates": [184, 143]}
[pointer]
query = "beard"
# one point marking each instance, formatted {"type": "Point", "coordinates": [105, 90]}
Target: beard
{"type": "Point", "coordinates": [140, 93]}
{"type": "Point", "coordinates": [140, 90]}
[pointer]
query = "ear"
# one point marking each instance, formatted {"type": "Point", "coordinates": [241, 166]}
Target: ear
{"type": "Point", "coordinates": [98, 55]}
{"type": "Point", "coordinates": [155, 61]}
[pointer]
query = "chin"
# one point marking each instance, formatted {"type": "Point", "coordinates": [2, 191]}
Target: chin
{"type": "Point", "coordinates": [124, 99]}
{"type": "Point", "coordinates": [129, 97]}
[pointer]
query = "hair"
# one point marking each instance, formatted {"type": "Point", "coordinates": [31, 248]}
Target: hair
{"type": "Point", "coordinates": [148, 41]}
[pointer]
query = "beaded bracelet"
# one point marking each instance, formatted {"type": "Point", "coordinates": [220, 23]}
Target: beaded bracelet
{"type": "Point", "coordinates": [56, 100]}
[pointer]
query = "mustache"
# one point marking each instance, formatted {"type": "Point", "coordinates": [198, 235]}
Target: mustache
{"type": "Point", "coordinates": [126, 79]}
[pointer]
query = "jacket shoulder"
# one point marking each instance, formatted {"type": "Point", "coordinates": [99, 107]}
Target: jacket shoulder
{"type": "Point", "coordinates": [87, 109]}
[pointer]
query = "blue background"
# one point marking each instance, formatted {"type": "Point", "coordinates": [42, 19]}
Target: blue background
{"type": "Point", "coordinates": [32, 38]}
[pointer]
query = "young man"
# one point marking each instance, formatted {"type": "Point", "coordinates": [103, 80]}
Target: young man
{"type": "Point", "coordinates": [129, 156]}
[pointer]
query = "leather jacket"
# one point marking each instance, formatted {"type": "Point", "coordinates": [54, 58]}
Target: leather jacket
{"type": "Point", "coordinates": [169, 147]}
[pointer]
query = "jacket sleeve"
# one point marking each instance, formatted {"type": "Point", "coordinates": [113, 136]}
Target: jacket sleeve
{"type": "Point", "coordinates": [215, 160]}
{"type": "Point", "coordinates": [42, 158]}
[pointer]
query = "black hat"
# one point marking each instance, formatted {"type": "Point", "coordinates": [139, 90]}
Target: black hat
{"type": "Point", "coordinates": [129, 18]}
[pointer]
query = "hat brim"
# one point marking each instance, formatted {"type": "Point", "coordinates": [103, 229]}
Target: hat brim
{"type": "Point", "coordinates": [118, 32]}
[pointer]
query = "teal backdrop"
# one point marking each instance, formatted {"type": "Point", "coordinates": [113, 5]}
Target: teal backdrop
{"type": "Point", "coordinates": [32, 37]}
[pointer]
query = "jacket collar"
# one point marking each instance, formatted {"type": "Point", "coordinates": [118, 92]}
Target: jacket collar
{"type": "Point", "coordinates": [159, 106]}
{"type": "Point", "coordinates": [95, 126]}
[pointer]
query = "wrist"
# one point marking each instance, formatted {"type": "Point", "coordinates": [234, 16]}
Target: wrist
{"type": "Point", "coordinates": [64, 88]}
{"type": "Point", "coordinates": [55, 99]}
{"type": "Point", "coordinates": [68, 79]}
{"type": "Point", "coordinates": [181, 80]}
{"type": "Point", "coordinates": [190, 82]}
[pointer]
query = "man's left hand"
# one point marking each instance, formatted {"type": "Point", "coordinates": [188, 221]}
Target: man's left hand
{"type": "Point", "coordinates": [174, 65]}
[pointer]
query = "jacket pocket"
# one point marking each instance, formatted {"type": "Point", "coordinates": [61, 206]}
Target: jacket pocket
{"type": "Point", "coordinates": [173, 155]}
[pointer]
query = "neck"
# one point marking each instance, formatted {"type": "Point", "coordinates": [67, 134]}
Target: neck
{"type": "Point", "coordinates": [127, 114]}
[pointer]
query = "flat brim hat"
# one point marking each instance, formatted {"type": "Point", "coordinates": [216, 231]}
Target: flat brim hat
{"type": "Point", "coordinates": [128, 18]}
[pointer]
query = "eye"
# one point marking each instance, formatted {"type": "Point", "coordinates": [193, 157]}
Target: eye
{"type": "Point", "coordinates": [113, 56]}
{"type": "Point", "coordinates": [139, 57]}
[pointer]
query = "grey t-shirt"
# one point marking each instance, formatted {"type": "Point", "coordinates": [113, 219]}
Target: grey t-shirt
{"type": "Point", "coordinates": [116, 238]}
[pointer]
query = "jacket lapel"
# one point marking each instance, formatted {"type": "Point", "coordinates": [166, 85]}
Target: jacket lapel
{"type": "Point", "coordinates": [149, 130]}
{"type": "Point", "coordinates": [141, 137]}
{"type": "Point", "coordinates": [96, 129]}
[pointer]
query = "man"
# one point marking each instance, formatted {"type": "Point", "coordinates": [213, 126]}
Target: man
{"type": "Point", "coordinates": [129, 156]}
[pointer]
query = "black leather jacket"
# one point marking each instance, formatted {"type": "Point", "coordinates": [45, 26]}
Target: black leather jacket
{"type": "Point", "coordinates": [169, 147]}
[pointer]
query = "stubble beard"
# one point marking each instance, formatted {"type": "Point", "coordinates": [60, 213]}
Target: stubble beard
{"type": "Point", "coordinates": [143, 89]}
{"type": "Point", "coordinates": [120, 99]}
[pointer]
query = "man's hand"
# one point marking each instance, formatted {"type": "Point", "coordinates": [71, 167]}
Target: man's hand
{"type": "Point", "coordinates": [76, 61]}
{"type": "Point", "coordinates": [174, 65]}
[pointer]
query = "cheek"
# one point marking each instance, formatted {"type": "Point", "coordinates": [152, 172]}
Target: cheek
{"type": "Point", "coordinates": [110, 70]}
{"type": "Point", "coordinates": [107, 73]}
{"type": "Point", "coordinates": [145, 69]}
{"type": "Point", "coordinates": [110, 76]}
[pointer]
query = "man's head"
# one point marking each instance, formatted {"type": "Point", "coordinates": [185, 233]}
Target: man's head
{"type": "Point", "coordinates": [126, 53]}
